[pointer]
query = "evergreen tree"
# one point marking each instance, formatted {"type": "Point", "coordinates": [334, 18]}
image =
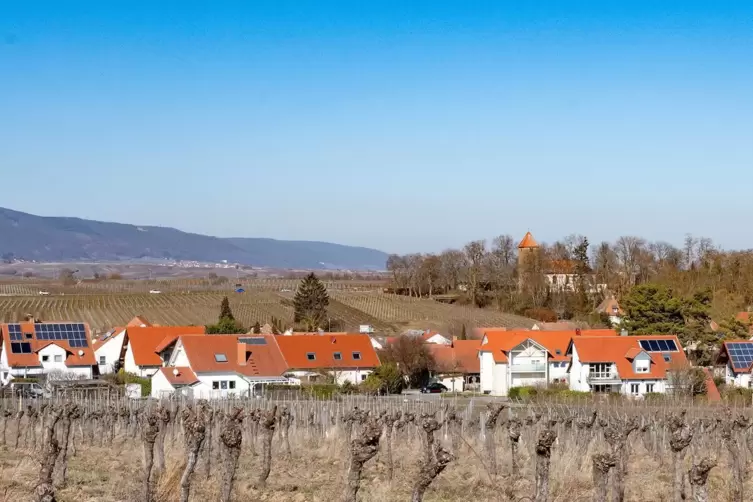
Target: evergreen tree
{"type": "Point", "coordinates": [311, 301]}
{"type": "Point", "coordinates": [257, 328]}
{"type": "Point", "coordinates": [225, 312]}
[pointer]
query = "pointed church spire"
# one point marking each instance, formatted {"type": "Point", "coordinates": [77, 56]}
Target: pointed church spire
{"type": "Point", "coordinates": [528, 242]}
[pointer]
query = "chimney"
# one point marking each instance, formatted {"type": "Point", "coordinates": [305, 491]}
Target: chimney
{"type": "Point", "coordinates": [624, 332]}
{"type": "Point", "coordinates": [242, 354]}
{"type": "Point", "coordinates": [577, 331]}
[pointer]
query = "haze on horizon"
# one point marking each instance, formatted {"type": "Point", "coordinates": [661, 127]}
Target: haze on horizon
{"type": "Point", "coordinates": [402, 126]}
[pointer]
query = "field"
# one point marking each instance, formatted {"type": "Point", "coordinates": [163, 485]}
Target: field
{"type": "Point", "coordinates": [352, 303]}
{"type": "Point", "coordinates": [371, 449]}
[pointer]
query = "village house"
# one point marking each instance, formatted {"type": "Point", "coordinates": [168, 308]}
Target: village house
{"type": "Point", "coordinates": [630, 365]}
{"type": "Point", "coordinates": [59, 350]}
{"type": "Point", "coordinates": [134, 349]}
{"type": "Point", "coordinates": [611, 308]}
{"type": "Point", "coordinates": [344, 358]}
{"type": "Point", "coordinates": [516, 358]}
{"type": "Point", "coordinates": [219, 366]}
{"type": "Point", "coordinates": [736, 361]}
{"type": "Point", "coordinates": [457, 366]}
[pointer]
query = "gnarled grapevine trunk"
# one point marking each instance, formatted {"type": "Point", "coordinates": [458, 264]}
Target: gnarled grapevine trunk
{"type": "Point", "coordinates": [231, 438]}
{"type": "Point", "coordinates": [436, 458]}
{"type": "Point", "coordinates": [194, 434]}
{"type": "Point", "coordinates": [602, 463]}
{"type": "Point", "coordinates": [164, 417]}
{"type": "Point", "coordinates": [490, 444]}
{"type": "Point", "coordinates": [729, 427]}
{"type": "Point", "coordinates": [70, 413]}
{"type": "Point", "coordinates": [45, 491]}
{"type": "Point", "coordinates": [19, 416]}
{"type": "Point", "coordinates": [149, 437]}
{"type": "Point", "coordinates": [268, 422]}
{"type": "Point", "coordinates": [698, 476]}
{"type": "Point", "coordinates": [681, 436]}
{"type": "Point", "coordinates": [616, 435]}
{"type": "Point", "coordinates": [513, 432]}
{"type": "Point", "coordinates": [286, 419]}
{"type": "Point", "coordinates": [362, 449]}
{"type": "Point", "coordinates": [388, 428]}
{"type": "Point", "coordinates": [544, 443]}
{"type": "Point", "coordinates": [208, 414]}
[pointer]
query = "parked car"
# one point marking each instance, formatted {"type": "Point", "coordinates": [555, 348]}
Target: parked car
{"type": "Point", "coordinates": [434, 388]}
{"type": "Point", "coordinates": [155, 291]}
{"type": "Point", "coordinates": [44, 292]}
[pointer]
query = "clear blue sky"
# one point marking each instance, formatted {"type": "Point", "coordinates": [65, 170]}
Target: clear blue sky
{"type": "Point", "coordinates": [406, 126]}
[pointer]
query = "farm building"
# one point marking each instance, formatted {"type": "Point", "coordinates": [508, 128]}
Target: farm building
{"type": "Point", "coordinates": [631, 365]}
{"type": "Point", "coordinates": [522, 358]}
{"type": "Point", "coordinates": [34, 349]}
{"type": "Point", "coordinates": [457, 365]}
{"type": "Point", "coordinates": [219, 366]}
{"type": "Point", "coordinates": [344, 357]}
{"type": "Point", "coordinates": [134, 349]}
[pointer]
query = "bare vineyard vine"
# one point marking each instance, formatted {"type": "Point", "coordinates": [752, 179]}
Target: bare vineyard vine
{"type": "Point", "coordinates": [527, 452]}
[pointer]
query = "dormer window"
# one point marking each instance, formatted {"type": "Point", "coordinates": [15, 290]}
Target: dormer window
{"type": "Point", "coordinates": [356, 356]}
{"type": "Point", "coordinates": [311, 356]}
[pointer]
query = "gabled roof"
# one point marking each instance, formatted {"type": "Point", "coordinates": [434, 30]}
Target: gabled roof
{"type": "Point", "coordinates": [723, 356]}
{"type": "Point", "coordinates": [75, 356]}
{"type": "Point", "coordinates": [139, 322]}
{"type": "Point", "coordinates": [144, 341]}
{"type": "Point", "coordinates": [295, 349]}
{"type": "Point", "coordinates": [610, 306]}
{"type": "Point", "coordinates": [113, 333]}
{"type": "Point", "coordinates": [616, 349]}
{"type": "Point", "coordinates": [501, 342]}
{"type": "Point", "coordinates": [460, 357]}
{"type": "Point", "coordinates": [743, 316]}
{"type": "Point", "coordinates": [528, 242]}
{"type": "Point", "coordinates": [251, 360]}
{"type": "Point", "coordinates": [185, 375]}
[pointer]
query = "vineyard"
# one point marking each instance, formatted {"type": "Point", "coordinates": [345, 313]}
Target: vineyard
{"type": "Point", "coordinates": [348, 309]}
{"type": "Point", "coordinates": [371, 449]}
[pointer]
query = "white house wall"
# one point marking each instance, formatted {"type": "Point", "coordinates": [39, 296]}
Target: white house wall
{"type": "Point", "coordinates": [558, 371]}
{"type": "Point", "coordinates": [578, 378]}
{"type": "Point", "coordinates": [111, 351]}
{"type": "Point", "coordinates": [500, 385]}
{"type": "Point", "coordinates": [736, 379]}
{"type": "Point", "coordinates": [160, 386]}
{"type": "Point", "coordinates": [51, 352]}
{"type": "Point", "coordinates": [487, 364]}
{"type": "Point", "coordinates": [130, 366]}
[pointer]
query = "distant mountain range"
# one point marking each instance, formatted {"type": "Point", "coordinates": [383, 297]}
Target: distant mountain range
{"type": "Point", "coordinates": [55, 239]}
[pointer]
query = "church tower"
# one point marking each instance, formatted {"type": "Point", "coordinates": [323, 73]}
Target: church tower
{"type": "Point", "coordinates": [527, 248]}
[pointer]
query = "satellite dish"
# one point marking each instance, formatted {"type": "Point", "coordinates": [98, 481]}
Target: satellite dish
{"type": "Point", "coordinates": [80, 353]}
{"type": "Point", "coordinates": [176, 372]}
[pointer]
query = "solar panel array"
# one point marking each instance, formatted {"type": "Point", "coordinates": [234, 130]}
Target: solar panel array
{"type": "Point", "coordinates": [741, 354]}
{"type": "Point", "coordinates": [20, 347]}
{"type": "Point", "coordinates": [14, 331]}
{"type": "Point", "coordinates": [658, 345]}
{"type": "Point", "coordinates": [73, 333]}
{"type": "Point", "coordinates": [253, 341]}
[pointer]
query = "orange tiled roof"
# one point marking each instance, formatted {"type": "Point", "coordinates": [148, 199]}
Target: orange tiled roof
{"type": "Point", "coordinates": [144, 341]}
{"type": "Point", "coordinates": [615, 350]}
{"type": "Point", "coordinates": [743, 316]}
{"type": "Point", "coordinates": [263, 360]}
{"type": "Point", "coordinates": [295, 349]}
{"type": "Point", "coordinates": [528, 242]}
{"type": "Point", "coordinates": [138, 322]}
{"type": "Point", "coordinates": [501, 341]}
{"type": "Point", "coordinates": [185, 375]}
{"type": "Point", "coordinates": [31, 360]}
{"type": "Point", "coordinates": [461, 356]}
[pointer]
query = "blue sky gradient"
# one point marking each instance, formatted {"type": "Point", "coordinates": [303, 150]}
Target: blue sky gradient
{"type": "Point", "coordinates": [405, 126]}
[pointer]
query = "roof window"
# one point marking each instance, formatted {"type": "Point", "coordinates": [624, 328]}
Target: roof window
{"type": "Point", "coordinates": [356, 356]}
{"type": "Point", "coordinates": [667, 358]}
{"type": "Point", "coordinates": [558, 352]}
{"type": "Point", "coordinates": [337, 356]}
{"type": "Point", "coordinates": [220, 358]}
{"type": "Point", "coordinates": [311, 356]}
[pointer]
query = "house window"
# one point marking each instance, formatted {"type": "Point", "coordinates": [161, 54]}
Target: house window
{"type": "Point", "coordinates": [220, 358]}
{"type": "Point", "coordinates": [59, 358]}
{"type": "Point", "coordinates": [45, 359]}
{"type": "Point", "coordinates": [363, 377]}
{"type": "Point", "coordinates": [649, 387]}
{"type": "Point", "coordinates": [634, 387]}
{"type": "Point", "coordinates": [338, 356]}
{"type": "Point", "coordinates": [356, 356]}
{"type": "Point", "coordinates": [223, 384]}
{"type": "Point", "coordinates": [641, 369]}
{"type": "Point", "coordinates": [311, 356]}
{"type": "Point", "coordinates": [231, 384]}
{"type": "Point", "coordinates": [215, 385]}
{"type": "Point", "coordinates": [102, 360]}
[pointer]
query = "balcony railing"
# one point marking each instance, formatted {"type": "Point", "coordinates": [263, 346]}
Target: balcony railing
{"type": "Point", "coordinates": [528, 368]}
{"type": "Point", "coordinates": [604, 377]}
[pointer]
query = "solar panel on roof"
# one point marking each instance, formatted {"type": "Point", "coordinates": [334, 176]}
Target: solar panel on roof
{"type": "Point", "coordinates": [253, 341]}
{"type": "Point", "coordinates": [20, 348]}
{"type": "Point", "coordinates": [740, 354]}
{"type": "Point", "coordinates": [74, 333]}
{"type": "Point", "coordinates": [660, 345]}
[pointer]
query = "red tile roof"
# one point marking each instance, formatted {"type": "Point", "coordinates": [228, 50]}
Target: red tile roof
{"type": "Point", "coordinates": [712, 391]}
{"type": "Point", "coordinates": [324, 347]}
{"type": "Point", "coordinates": [75, 356]}
{"type": "Point", "coordinates": [616, 349]}
{"type": "Point", "coordinates": [144, 341]}
{"type": "Point", "coordinates": [743, 316]}
{"type": "Point", "coordinates": [528, 242]}
{"type": "Point", "coordinates": [460, 357]}
{"type": "Point", "coordinates": [185, 375]}
{"type": "Point", "coordinates": [501, 341]}
{"type": "Point", "coordinates": [252, 360]}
